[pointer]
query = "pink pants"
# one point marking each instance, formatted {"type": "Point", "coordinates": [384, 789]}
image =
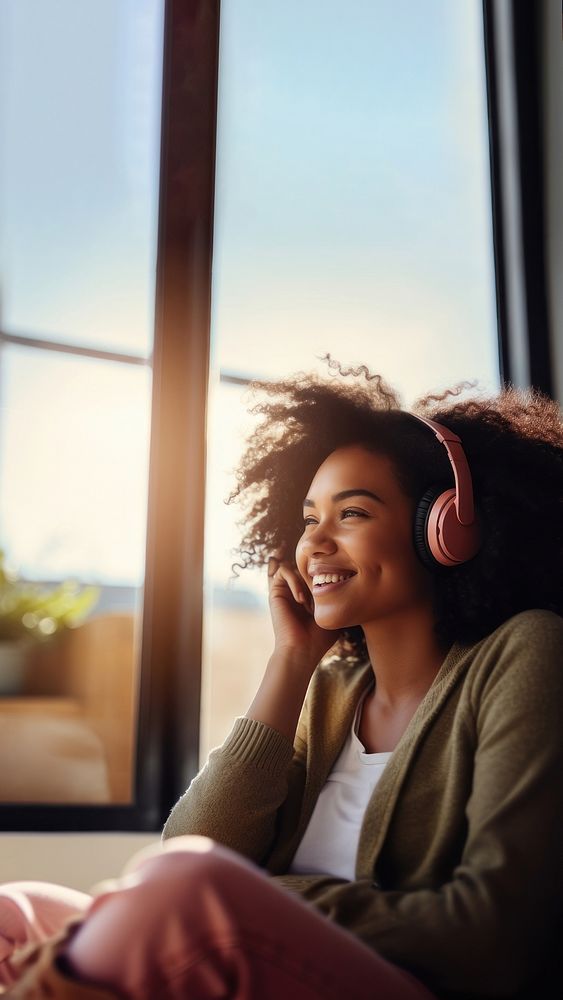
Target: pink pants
{"type": "Point", "coordinates": [189, 920]}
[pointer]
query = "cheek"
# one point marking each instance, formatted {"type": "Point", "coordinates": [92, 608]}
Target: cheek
{"type": "Point", "coordinates": [412, 569]}
{"type": "Point", "coordinates": [396, 551]}
{"type": "Point", "coordinates": [300, 557]}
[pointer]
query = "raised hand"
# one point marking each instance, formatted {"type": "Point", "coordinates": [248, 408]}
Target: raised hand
{"type": "Point", "coordinates": [292, 610]}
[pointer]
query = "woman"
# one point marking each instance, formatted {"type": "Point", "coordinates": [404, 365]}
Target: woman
{"type": "Point", "coordinates": [399, 770]}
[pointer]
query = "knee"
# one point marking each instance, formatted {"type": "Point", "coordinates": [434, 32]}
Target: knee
{"type": "Point", "coordinates": [184, 862]}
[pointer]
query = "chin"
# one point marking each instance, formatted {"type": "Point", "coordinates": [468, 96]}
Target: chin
{"type": "Point", "coordinates": [331, 622]}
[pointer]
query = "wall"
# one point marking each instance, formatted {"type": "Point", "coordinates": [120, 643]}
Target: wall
{"type": "Point", "coordinates": [75, 859]}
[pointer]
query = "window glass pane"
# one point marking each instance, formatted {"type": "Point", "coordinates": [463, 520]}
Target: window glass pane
{"type": "Point", "coordinates": [80, 95]}
{"type": "Point", "coordinates": [74, 444]}
{"type": "Point", "coordinates": [74, 466]}
{"type": "Point", "coordinates": [353, 217]}
{"type": "Point", "coordinates": [80, 91]}
{"type": "Point", "coordinates": [237, 629]}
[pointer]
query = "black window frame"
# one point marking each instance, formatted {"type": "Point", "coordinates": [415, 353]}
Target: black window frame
{"type": "Point", "coordinates": [513, 63]}
{"type": "Point", "coordinates": [170, 671]}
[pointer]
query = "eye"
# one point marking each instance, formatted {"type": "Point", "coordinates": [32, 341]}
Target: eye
{"type": "Point", "coordinates": [343, 514]}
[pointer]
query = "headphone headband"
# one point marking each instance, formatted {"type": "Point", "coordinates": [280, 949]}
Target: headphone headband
{"type": "Point", "coordinates": [464, 506]}
{"type": "Point", "coordinates": [446, 532]}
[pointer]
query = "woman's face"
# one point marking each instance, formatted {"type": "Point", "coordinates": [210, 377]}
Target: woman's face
{"type": "Point", "coordinates": [359, 523]}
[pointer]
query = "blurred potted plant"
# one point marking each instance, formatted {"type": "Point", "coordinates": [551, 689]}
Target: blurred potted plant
{"type": "Point", "coordinates": [31, 613]}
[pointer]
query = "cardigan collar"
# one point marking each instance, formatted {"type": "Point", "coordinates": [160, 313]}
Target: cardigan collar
{"type": "Point", "coordinates": [387, 790]}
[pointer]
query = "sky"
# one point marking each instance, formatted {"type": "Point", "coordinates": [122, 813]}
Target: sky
{"type": "Point", "coordinates": [352, 216]}
{"type": "Point", "coordinates": [352, 189]}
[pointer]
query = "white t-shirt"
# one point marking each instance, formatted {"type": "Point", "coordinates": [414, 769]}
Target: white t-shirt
{"type": "Point", "coordinates": [330, 842]}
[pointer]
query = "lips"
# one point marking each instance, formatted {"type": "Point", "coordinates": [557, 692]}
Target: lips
{"type": "Point", "coordinates": [324, 588]}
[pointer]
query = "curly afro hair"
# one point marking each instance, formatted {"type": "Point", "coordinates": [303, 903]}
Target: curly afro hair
{"type": "Point", "coordinates": [514, 446]}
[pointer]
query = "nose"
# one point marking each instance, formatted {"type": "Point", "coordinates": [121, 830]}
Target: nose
{"type": "Point", "coordinates": [317, 539]}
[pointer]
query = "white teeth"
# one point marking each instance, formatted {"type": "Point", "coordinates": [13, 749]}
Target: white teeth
{"type": "Point", "coordinates": [320, 578]}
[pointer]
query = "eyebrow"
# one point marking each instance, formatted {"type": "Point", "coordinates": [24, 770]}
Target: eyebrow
{"type": "Point", "coordinates": [344, 494]}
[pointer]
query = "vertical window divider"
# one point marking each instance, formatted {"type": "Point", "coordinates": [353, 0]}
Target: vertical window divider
{"type": "Point", "coordinates": [171, 666]}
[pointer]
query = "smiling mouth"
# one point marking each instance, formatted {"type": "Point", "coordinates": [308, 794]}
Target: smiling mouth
{"type": "Point", "coordinates": [323, 582]}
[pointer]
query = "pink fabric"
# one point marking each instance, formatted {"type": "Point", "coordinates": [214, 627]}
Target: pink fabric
{"type": "Point", "coordinates": [191, 919]}
{"type": "Point", "coordinates": [31, 912]}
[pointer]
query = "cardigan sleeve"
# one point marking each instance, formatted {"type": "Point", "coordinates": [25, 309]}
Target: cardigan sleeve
{"type": "Point", "coordinates": [484, 932]}
{"type": "Point", "coordinates": [236, 796]}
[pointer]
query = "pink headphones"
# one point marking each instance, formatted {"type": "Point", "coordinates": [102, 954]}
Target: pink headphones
{"type": "Point", "coordinates": [446, 532]}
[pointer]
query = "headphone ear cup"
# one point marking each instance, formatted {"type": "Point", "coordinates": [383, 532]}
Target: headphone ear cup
{"type": "Point", "coordinates": [440, 539]}
{"type": "Point", "coordinates": [421, 518]}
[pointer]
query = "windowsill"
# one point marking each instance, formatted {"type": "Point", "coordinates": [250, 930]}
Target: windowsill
{"type": "Point", "coordinates": [39, 705]}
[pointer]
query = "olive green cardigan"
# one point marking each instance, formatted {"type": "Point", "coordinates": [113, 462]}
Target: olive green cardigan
{"type": "Point", "coordinates": [459, 874]}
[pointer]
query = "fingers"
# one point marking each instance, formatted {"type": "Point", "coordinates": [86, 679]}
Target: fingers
{"type": "Point", "coordinates": [273, 563]}
{"type": "Point", "coordinates": [282, 573]}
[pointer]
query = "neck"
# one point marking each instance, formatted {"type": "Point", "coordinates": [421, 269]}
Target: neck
{"type": "Point", "coordinates": [405, 656]}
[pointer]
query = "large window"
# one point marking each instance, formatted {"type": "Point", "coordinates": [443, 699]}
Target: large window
{"type": "Point", "coordinates": [352, 215]}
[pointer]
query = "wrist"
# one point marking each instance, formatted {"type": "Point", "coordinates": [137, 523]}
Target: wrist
{"type": "Point", "coordinates": [293, 660]}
